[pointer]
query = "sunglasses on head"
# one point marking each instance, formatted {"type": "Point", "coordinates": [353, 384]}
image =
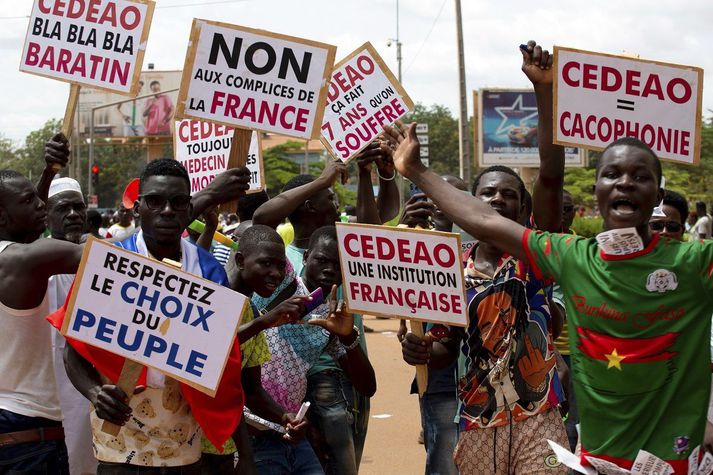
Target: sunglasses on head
{"type": "Point", "coordinates": [156, 202]}
{"type": "Point", "coordinates": [671, 226]}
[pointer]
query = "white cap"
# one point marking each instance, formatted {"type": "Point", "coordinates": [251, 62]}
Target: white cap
{"type": "Point", "coordinates": [60, 185]}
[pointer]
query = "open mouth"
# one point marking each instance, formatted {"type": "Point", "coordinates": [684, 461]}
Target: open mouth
{"type": "Point", "coordinates": [624, 206]}
{"type": "Point", "coordinates": [270, 286]}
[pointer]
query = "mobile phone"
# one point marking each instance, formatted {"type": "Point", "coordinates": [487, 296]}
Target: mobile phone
{"type": "Point", "coordinates": [415, 190]}
{"type": "Point", "coordinates": [317, 300]}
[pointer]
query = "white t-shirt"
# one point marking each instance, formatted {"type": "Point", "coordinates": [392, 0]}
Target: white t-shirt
{"type": "Point", "coordinates": [119, 232]}
{"type": "Point", "coordinates": [704, 226]}
{"type": "Point", "coordinates": [27, 382]}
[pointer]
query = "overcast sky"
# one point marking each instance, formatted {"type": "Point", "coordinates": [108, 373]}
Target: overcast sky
{"type": "Point", "coordinates": [672, 31]}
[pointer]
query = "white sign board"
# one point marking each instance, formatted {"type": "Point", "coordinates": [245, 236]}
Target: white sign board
{"type": "Point", "coordinates": [403, 273]}
{"type": "Point", "coordinates": [203, 149]}
{"type": "Point", "coordinates": [154, 314]}
{"type": "Point", "coordinates": [255, 79]}
{"type": "Point", "coordinates": [600, 98]}
{"type": "Point", "coordinates": [97, 43]}
{"type": "Point", "coordinates": [363, 97]}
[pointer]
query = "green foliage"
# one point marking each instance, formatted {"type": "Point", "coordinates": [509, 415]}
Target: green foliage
{"type": "Point", "coordinates": [579, 182]}
{"type": "Point", "coordinates": [442, 137]}
{"type": "Point", "coordinates": [278, 168]}
{"type": "Point", "coordinates": [587, 227]}
{"type": "Point", "coordinates": [118, 165]}
{"type": "Point", "coordinates": [29, 158]}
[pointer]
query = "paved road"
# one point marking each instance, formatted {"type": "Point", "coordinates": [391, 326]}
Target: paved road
{"type": "Point", "coordinates": [391, 443]}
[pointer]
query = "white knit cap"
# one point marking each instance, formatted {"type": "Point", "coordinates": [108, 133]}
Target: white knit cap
{"type": "Point", "coordinates": [60, 185]}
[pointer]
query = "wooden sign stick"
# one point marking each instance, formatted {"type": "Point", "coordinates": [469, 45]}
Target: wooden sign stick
{"type": "Point", "coordinates": [239, 149]}
{"type": "Point", "coordinates": [68, 122]}
{"type": "Point", "coordinates": [130, 373]}
{"type": "Point", "coordinates": [421, 369]}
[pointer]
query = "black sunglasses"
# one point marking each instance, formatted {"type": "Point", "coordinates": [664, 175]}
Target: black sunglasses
{"type": "Point", "coordinates": [156, 202]}
{"type": "Point", "coordinates": [671, 226]}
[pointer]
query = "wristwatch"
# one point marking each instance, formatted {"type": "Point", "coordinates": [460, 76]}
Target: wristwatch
{"type": "Point", "coordinates": [353, 344]}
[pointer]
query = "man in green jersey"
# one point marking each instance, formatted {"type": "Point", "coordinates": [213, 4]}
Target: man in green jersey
{"type": "Point", "coordinates": [638, 306]}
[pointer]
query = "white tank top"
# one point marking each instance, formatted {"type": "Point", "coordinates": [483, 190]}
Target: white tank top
{"type": "Point", "coordinates": [27, 382]}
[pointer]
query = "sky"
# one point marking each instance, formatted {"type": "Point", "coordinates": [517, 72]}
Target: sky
{"type": "Point", "coordinates": [662, 30]}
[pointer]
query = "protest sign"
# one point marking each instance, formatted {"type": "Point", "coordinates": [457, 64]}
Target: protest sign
{"type": "Point", "coordinates": [153, 314]}
{"type": "Point", "coordinates": [403, 273]}
{"type": "Point", "coordinates": [363, 97]}
{"type": "Point", "coordinates": [203, 148]}
{"type": "Point", "coordinates": [254, 79]}
{"type": "Point", "coordinates": [95, 43]}
{"type": "Point", "coordinates": [600, 98]}
{"type": "Point", "coordinates": [507, 130]}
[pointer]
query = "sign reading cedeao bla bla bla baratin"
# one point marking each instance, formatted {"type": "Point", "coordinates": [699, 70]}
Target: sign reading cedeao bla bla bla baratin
{"type": "Point", "coordinates": [600, 98]}
{"type": "Point", "coordinates": [401, 272]}
{"type": "Point", "coordinates": [255, 79]}
{"type": "Point", "coordinates": [96, 43]}
{"type": "Point", "coordinates": [154, 314]}
{"type": "Point", "coordinates": [203, 148]}
{"type": "Point", "coordinates": [363, 97]}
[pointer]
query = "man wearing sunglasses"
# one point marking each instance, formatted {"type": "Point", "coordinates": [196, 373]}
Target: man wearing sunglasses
{"type": "Point", "coordinates": [160, 427]}
{"type": "Point", "coordinates": [675, 209]}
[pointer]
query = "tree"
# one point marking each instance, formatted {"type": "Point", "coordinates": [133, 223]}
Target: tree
{"type": "Point", "coordinates": [278, 168]}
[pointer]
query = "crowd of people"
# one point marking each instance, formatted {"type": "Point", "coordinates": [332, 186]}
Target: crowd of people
{"type": "Point", "coordinates": [600, 345]}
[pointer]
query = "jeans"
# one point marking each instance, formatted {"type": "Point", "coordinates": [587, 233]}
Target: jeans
{"type": "Point", "coordinates": [108, 468]}
{"type": "Point", "coordinates": [31, 458]}
{"type": "Point", "coordinates": [570, 424]}
{"type": "Point", "coordinates": [341, 417]}
{"type": "Point", "coordinates": [214, 464]}
{"type": "Point", "coordinates": [276, 456]}
{"type": "Point", "coordinates": [440, 432]}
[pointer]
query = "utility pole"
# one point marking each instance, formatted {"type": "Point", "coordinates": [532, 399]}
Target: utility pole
{"type": "Point", "coordinates": [463, 135]}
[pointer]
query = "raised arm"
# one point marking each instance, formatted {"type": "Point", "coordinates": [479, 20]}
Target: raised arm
{"type": "Point", "coordinates": [388, 200]}
{"type": "Point", "coordinates": [56, 154]}
{"type": "Point", "coordinates": [25, 269]}
{"type": "Point", "coordinates": [474, 216]}
{"type": "Point", "coordinates": [547, 192]}
{"type": "Point", "coordinates": [227, 186]}
{"type": "Point", "coordinates": [277, 209]}
{"type": "Point", "coordinates": [367, 211]}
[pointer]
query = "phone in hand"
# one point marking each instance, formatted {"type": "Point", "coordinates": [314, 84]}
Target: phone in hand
{"type": "Point", "coordinates": [317, 300]}
{"type": "Point", "coordinates": [415, 190]}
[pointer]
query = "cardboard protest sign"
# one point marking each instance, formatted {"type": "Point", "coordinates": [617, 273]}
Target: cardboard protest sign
{"type": "Point", "coordinates": [600, 98]}
{"type": "Point", "coordinates": [203, 148]}
{"type": "Point", "coordinates": [95, 43]}
{"type": "Point", "coordinates": [363, 97]}
{"type": "Point", "coordinates": [403, 273]}
{"type": "Point", "coordinates": [243, 77]}
{"type": "Point", "coordinates": [153, 314]}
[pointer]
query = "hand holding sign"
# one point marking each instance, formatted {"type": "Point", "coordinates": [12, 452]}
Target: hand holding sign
{"type": "Point", "coordinates": [536, 63]}
{"type": "Point", "coordinates": [57, 152]}
{"type": "Point", "coordinates": [416, 350]}
{"type": "Point", "coordinates": [229, 185]}
{"type": "Point", "coordinates": [111, 404]}
{"type": "Point", "coordinates": [333, 170]}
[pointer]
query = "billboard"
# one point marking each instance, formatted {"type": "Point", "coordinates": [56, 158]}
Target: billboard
{"type": "Point", "coordinates": [149, 116]}
{"type": "Point", "coordinates": [507, 132]}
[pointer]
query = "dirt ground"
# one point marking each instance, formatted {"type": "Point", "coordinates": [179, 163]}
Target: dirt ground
{"type": "Point", "coordinates": [392, 446]}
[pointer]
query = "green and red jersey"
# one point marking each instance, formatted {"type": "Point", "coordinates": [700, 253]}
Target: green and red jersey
{"type": "Point", "coordinates": [639, 328]}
